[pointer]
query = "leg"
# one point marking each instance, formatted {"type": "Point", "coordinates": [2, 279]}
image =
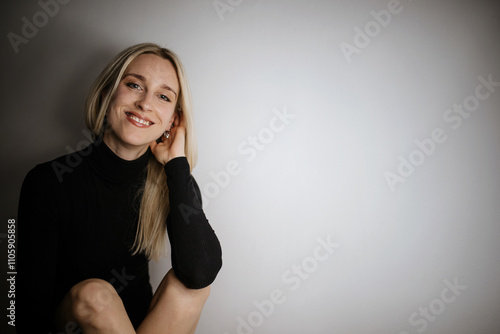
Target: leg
{"type": "Point", "coordinates": [96, 306]}
{"type": "Point", "coordinates": [174, 309]}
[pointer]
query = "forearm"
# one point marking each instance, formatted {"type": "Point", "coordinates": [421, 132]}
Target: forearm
{"type": "Point", "coordinates": [196, 251]}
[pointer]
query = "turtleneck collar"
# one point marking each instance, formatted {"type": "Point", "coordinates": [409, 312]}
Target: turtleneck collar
{"type": "Point", "coordinates": [115, 169]}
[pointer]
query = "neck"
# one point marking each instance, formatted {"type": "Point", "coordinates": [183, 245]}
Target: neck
{"type": "Point", "coordinates": [123, 150]}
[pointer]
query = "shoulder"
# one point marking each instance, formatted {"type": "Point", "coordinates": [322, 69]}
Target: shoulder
{"type": "Point", "coordinates": [40, 192]}
{"type": "Point", "coordinates": [52, 173]}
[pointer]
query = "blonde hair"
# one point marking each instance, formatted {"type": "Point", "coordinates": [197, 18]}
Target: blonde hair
{"type": "Point", "coordinates": [151, 233]}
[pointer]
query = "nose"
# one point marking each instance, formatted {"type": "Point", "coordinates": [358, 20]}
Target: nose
{"type": "Point", "coordinates": [145, 102]}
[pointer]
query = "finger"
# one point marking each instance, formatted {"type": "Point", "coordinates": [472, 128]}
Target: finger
{"type": "Point", "coordinates": [159, 142]}
{"type": "Point", "coordinates": [153, 145]}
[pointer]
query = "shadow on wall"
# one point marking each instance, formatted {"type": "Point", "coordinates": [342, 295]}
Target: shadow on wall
{"type": "Point", "coordinates": [62, 70]}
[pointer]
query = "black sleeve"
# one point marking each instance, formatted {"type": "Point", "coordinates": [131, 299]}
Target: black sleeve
{"type": "Point", "coordinates": [37, 254]}
{"type": "Point", "coordinates": [196, 251]}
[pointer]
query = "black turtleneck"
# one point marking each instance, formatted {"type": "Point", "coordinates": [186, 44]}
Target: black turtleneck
{"type": "Point", "coordinates": [77, 220]}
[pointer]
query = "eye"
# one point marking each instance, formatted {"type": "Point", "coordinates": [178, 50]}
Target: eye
{"type": "Point", "coordinates": [164, 97]}
{"type": "Point", "coordinates": [133, 85]}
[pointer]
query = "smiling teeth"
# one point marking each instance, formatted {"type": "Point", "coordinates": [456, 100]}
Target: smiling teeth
{"type": "Point", "coordinates": [138, 120]}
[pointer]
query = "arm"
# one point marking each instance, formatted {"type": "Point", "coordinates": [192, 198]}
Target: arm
{"type": "Point", "coordinates": [196, 251]}
{"type": "Point", "coordinates": [37, 254]}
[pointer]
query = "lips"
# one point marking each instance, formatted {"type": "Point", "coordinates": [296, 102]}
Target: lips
{"type": "Point", "coordinates": [138, 120]}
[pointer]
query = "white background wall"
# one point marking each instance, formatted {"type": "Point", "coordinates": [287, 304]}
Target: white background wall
{"type": "Point", "coordinates": [352, 119]}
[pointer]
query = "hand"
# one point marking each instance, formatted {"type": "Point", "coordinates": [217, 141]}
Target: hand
{"type": "Point", "coordinates": [173, 146]}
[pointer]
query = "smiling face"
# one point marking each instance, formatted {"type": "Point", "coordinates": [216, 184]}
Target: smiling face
{"type": "Point", "coordinates": [143, 105]}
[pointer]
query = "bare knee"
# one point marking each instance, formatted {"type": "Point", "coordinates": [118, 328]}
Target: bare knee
{"type": "Point", "coordinates": [92, 303]}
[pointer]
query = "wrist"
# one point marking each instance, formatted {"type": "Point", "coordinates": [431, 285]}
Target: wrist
{"type": "Point", "coordinates": [172, 157]}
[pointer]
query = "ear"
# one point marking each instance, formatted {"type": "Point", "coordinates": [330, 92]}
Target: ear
{"type": "Point", "coordinates": [170, 122]}
{"type": "Point", "coordinates": [178, 111]}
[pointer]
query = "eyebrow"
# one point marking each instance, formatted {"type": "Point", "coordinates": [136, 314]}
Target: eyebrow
{"type": "Point", "coordinates": [140, 77]}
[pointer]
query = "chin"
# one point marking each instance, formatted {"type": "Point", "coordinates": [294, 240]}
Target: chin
{"type": "Point", "coordinates": [138, 139]}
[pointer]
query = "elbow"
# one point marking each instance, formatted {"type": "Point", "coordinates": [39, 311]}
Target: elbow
{"type": "Point", "coordinates": [199, 276]}
{"type": "Point", "coordinates": [199, 268]}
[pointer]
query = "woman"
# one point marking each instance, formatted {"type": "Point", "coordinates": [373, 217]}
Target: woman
{"type": "Point", "coordinates": [89, 222]}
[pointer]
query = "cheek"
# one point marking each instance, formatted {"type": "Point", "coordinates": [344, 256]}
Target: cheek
{"type": "Point", "coordinates": [119, 99]}
{"type": "Point", "coordinates": [167, 116]}
{"type": "Point", "coordinates": [119, 96]}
